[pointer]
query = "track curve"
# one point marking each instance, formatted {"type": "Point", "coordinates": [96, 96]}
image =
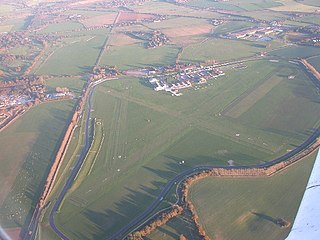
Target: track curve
{"type": "Point", "coordinates": [73, 172]}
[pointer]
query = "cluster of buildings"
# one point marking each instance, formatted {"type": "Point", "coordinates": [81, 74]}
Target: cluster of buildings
{"type": "Point", "coordinates": [184, 78]}
{"type": "Point", "coordinates": [14, 100]}
{"type": "Point", "coordinates": [256, 33]}
{"type": "Point", "coordinates": [104, 72]}
{"type": "Point", "coordinates": [153, 39]}
{"type": "Point", "coordinates": [17, 95]}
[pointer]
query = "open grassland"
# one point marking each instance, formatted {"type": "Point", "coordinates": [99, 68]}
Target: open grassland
{"type": "Point", "coordinates": [282, 107]}
{"type": "Point", "coordinates": [222, 50]}
{"type": "Point", "coordinates": [246, 208]}
{"type": "Point", "coordinates": [142, 145]}
{"type": "Point", "coordinates": [182, 26]}
{"type": "Point", "coordinates": [296, 52]}
{"type": "Point", "coordinates": [294, 6]}
{"type": "Point", "coordinates": [76, 57]}
{"type": "Point", "coordinates": [170, 9]}
{"type": "Point", "coordinates": [236, 5]}
{"type": "Point", "coordinates": [231, 26]}
{"type": "Point", "coordinates": [251, 5]}
{"type": "Point", "coordinates": [86, 12]}
{"type": "Point", "coordinates": [137, 56]}
{"type": "Point", "coordinates": [253, 97]}
{"type": "Point", "coordinates": [100, 20]}
{"type": "Point", "coordinates": [217, 5]}
{"type": "Point", "coordinates": [310, 2]}
{"type": "Point", "coordinates": [315, 61]}
{"type": "Point", "coordinates": [29, 146]}
{"type": "Point", "coordinates": [266, 14]}
{"type": "Point", "coordinates": [62, 27]}
{"type": "Point", "coordinates": [92, 155]}
{"type": "Point", "coordinates": [73, 84]}
{"type": "Point", "coordinates": [150, 137]}
{"type": "Point", "coordinates": [310, 18]}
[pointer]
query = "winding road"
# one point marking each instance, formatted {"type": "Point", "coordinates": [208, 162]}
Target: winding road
{"type": "Point", "coordinates": [146, 214]}
{"type": "Point", "coordinates": [74, 170]}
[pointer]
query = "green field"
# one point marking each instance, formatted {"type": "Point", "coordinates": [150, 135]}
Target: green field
{"type": "Point", "coordinates": [137, 148]}
{"type": "Point", "coordinates": [148, 134]}
{"type": "Point", "coordinates": [137, 56]}
{"type": "Point", "coordinates": [143, 138]}
{"type": "Point", "coordinates": [296, 52]}
{"type": "Point", "coordinates": [218, 5]}
{"type": "Point", "coordinates": [223, 50]}
{"type": "Point", "coordinates": [37, 135]}
{"type": "Point", "coordinates": [76, 57]}
{"type": "Point", "coordinates": [236, 5]}
{"type": "Point", "coordinates": [283, 98]}
{"type": "Point", "coordinates": [232, 26]}
{"type": "Point", "coordinates": [315, 61]}
{"type": "Point", "coordinates": [245, 208]}
{"type": "Point", "coordinates": [310, 2]}
{"type": "Point", "coordinates": [170, 9]}
{"type": "Point", "coordinates": [62, 27]}
{"type": "Point", "coordinates": [75, 85]}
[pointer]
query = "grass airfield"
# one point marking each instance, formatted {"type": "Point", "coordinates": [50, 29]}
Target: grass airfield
{"type": "Point", "coordinates": [250, 115]}
{"type": "Point", "coordinates": [148, 134]}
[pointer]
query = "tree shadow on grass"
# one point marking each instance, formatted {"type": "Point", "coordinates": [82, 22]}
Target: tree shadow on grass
{"type": "Point", "coordinates": [37, 176]}
{"type": "Point", "coordinates": [107, 222]}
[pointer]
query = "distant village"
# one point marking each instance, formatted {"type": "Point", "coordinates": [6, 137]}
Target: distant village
{"type": "Point", "coordinates": [154, 39]}
{"type": "Point", "coordinates": [256, 33]}
{"type": "Point", "coordinates": [174, 78]}
{"type": "Point", "coordinates": [18, 95]}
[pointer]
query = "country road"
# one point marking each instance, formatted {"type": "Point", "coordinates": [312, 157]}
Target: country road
{"type": "Point", "coordinates": [146, 214]}
{"type": "Point", "coordinates": [74, 170]}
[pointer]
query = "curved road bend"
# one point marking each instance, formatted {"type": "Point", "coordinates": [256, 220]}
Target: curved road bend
{"type": "Point", "coordinates": [73, 172]}
{"type": "Point", "coordinates": [123, 232]}
{"type": "Point", "coordinates": [141, 217]}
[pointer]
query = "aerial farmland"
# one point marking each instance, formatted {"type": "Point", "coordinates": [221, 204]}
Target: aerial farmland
{"type": "Point", "coordinates": [141, 119]}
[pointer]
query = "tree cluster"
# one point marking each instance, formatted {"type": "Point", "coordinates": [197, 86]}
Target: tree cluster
{"type": "Point", "coordinates": [159, 221]}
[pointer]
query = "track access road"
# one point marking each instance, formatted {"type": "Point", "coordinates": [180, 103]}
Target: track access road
{"type": "Point", "coordinates": [74, 170]}
{"type": "Point", "coordinates": [146, 214]}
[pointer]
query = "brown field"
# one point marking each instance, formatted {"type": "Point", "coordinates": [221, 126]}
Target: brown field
{"type": "Point", "coordinates": [10, 169]}
{"type": "Point", "coordinates": [106, 19]}
{"type": "Point", "coordinates": [128, 17]}
{"type": "Point", "coordinates": [188, 31]}
{"type": "Point", "coordinates": [121, 39]}
{"type": "Point", "coordinates": [14, 233]}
